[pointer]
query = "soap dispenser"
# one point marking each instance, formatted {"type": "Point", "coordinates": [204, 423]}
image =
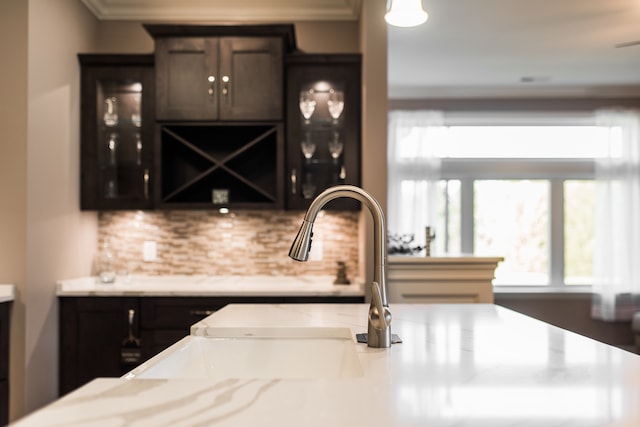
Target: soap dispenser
{"type": "Point", "coordinates": [106, 264]}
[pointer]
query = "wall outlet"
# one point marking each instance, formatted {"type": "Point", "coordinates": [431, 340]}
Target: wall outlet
{"type": "Point", "coordinates": [149, 251]}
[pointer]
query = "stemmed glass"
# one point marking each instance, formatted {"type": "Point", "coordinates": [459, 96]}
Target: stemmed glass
{"type": "Point", "coordinates": [110, 111]}
{"type": "Point", "coordinates": [136, 119]}
{"type": "Point", "coordinates": [335, 145]}
{"type": "Point", "coordinates": [308, 187]}
{"type": "Point", "coordinates": [138, 148]}
{"type": "Point", "coordinates": [335, 103]}
{"type": "Point", "coordinates": [112, 145]}
{"type": "Point", "coordinates": [308, 146]}
{"type": "Point", "coordinates": [307, 103]}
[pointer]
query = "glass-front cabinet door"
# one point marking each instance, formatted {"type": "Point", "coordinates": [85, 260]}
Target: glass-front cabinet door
{"type": "Point", "coordinates": [323, 133]}
{"type": "Point", "coordinates": [116, 131]}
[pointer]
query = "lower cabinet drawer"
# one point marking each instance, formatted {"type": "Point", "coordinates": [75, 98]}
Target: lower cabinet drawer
{"type": "Point", "coordinates": [176, 313]}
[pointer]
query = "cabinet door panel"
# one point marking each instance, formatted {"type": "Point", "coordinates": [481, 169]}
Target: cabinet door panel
{"type": "Point", "coordinates": [187, 80]}
{"type": "Point", "coordinates": [5, 319]}
{"type": "Point", "coordinates": [92, 331]}
{"type": "Point", "coordinates": [117, 100]}
{"type": "Point", "coordinates": [4, 402]}
{"type": "Point", "coordinates": [177, 313]}
{"type": "Point", "coordinates": [315, 127]}
{"type": "Point", "coordinates": [254, 69]}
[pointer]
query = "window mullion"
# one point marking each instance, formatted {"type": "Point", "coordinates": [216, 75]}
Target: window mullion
{"type": "Point", "coordinates": [556, 238]}
{"type": "Point", "coordinates": [466, 207]}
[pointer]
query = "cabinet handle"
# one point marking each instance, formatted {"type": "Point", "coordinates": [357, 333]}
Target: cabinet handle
{"type": "Point", "coordinates": [294, 180]}
{"type": "Point", "coordinates": [225, 86]}
{"type": "Point", "coordinates": [146, 183]}
{"type": "Point", "coordinates": [201, 312]}
{"type": "Point", "coordinates": [212, 81]}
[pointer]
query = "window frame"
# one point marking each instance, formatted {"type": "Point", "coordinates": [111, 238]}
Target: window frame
{"type": "Point", "coordinates": [554, 170]}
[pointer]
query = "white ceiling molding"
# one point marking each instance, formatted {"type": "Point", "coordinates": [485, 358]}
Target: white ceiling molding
{"type": "Point", "coordinates": [512, 91]}
{"type": "Point", "coordinates": [225, 10]}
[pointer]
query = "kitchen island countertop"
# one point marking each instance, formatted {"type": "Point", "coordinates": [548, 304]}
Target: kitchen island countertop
{"type": "Point", "coordinates": [7, 293]}
{"type": "Point", "coordinates": [459, 365]}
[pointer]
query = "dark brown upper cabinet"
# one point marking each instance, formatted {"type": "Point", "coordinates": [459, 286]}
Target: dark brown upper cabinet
{"type": "Point", "coordinates": [116, 131]}
{"type": "Point", "coordinates": [225, 73]}
{"type": "Point", "coordinates": [323, 127]}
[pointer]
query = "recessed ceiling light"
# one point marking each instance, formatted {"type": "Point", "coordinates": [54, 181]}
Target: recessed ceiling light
{"type": "Point", "coordinates": [534, 79]}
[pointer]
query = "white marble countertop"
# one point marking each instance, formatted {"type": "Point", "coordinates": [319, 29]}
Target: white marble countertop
{"type": "Point", "coordinates": [200, 285]}
{"type": "Point", "coordinates": [7, 293]}
{"type": "Point", "coordinates": [459, 365]}
{"type": "Point", "coordinates": [448, 259]}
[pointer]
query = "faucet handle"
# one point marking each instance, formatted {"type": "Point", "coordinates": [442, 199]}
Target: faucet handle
{"type": "Point", "coordinates": [379, 315]}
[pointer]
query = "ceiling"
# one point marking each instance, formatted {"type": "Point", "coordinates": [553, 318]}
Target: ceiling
{"type": "Point", "coordinates": [488, 47]}
{"type": "Point", "coordinates": [467, 47]}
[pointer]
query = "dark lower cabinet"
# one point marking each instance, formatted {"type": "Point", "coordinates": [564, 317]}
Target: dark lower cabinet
{"type": "Point", "coordinates": [165, 320]}
{"type": "Point", "coordinates": [93, 330]}
{"type": "Point", "coordinates": [5, 318]}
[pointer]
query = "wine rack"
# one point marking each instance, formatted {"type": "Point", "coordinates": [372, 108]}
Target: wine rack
{"type": "Point", "coordinates": [221, 166]}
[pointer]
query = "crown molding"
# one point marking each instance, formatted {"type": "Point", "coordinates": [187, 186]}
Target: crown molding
{"type": "Point", "coordinates": [397, 92]}
{"type": "Point", "coordinates": [225, 10]}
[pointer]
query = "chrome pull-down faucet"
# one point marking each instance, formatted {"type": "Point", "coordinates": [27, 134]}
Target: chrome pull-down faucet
{"type": "Point", "coordinates": [379, 319]}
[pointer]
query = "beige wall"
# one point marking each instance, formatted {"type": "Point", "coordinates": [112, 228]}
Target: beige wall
{"type": "Point", "coordinates": [122, 37]}
{"type": "Point", "coordinates": [373, 36]}
{"type": "Point", "coordinates": [328, 37]}
{"type": "Point", "coordinates": [60, 239]}
{"type": "Point", "coordinates": [13, 177]}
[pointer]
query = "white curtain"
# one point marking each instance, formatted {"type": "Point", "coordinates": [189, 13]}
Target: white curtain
{"type": "Point", "coordinates": [413, 172]}
{"type": "Point", "coordinates": [617, 237]}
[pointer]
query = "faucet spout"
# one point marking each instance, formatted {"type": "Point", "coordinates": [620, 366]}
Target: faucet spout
{"type": "Point", "coordinates": [379, 330]}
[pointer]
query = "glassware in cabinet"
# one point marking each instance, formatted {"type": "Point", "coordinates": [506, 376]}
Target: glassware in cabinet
{"type": "Point", "coordinates": [116, 131]}
{"type": "Point", "coordinates": [323, 126]}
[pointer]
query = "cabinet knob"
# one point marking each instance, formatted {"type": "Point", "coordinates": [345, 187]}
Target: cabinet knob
{"type": "Point", "coordinates": [199, 313]}
{"type": "Point", "coordinates": [225, 85]}
{"type": "Point", "coordinates": [212, 81]}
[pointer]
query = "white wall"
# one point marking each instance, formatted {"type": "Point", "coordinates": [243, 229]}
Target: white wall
{"type": "Point", "coordinates": [60, 239]}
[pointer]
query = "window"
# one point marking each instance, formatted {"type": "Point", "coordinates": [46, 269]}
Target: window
{"type": "Point", "coordinates": [515, 186]}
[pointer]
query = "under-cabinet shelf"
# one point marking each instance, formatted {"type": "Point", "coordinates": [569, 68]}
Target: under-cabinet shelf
{"type": "Point", "coordinates": [213, 166]}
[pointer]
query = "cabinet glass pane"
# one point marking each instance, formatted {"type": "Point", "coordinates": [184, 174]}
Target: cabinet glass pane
{"type": "Point", "coordinates": [119, 139]}
{"type": "Point", "coordinates": [322, 135]}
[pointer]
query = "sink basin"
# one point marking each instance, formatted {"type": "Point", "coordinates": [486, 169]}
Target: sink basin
{"type": "Point", "coordinates": [262, 353]}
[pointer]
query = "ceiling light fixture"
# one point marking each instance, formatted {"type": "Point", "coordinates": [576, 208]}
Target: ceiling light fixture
{"type": "Point", "coordinates": [405, 13]}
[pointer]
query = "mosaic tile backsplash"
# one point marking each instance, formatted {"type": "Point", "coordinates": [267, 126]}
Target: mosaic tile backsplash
{"type": "Point", "coordinates": [236, 243]}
